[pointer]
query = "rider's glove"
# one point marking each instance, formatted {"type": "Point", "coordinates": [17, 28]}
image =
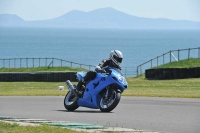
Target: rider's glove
{"type": "Point", "coordinates": [102, 71]}
{"type": "Point", "coordinates": [99, 70]}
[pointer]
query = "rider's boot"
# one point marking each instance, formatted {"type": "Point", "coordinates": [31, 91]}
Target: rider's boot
{"type": "Point", "coordinates": [79, 87]}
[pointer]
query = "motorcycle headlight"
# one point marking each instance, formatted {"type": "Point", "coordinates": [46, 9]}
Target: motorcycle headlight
{"type": "Point", "coordinates": [122, 79]}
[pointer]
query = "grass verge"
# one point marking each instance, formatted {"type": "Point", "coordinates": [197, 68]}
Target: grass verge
{"type": "Point", "coordinates": [41, 69]}
{"type": "Point", "coordinates": [6, 127]}
{"type": "Point", "coordinates": [182, 88]}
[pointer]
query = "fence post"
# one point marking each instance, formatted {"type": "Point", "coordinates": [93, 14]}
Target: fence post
{"type": "Point", "coordinates": [163, 59]}
{"type": "Point", "coordinates": [157, 60]}
{"type": "Point", "coordinates": [14, 62]}
{"type": "Point", "coordinates": [26, 62]}
{"type": "Point", "coordinates": [20, 62]}
{"type": "Point", "coordinates": [9, 63]}
{"type": "Point", "coordinates": [188, 53]}
{"type": "Point", "coordinates": [140, 69]}
{"type": "Point", "coordinates": [52, 62]}
{"type": "Point", "coordinates": [39, 62]}
{"type": "Point", "coordinates": [178, 55]}
{"type": "Point", "coordinates": [3, 63]}
{"type": "Point", "coordinates": [33, 62]}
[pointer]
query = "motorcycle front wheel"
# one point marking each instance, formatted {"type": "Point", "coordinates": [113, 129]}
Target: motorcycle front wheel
{"type": "Point", "coordinates": [70, 101]}
{"type": "Point", "coordinates": [107, 104]}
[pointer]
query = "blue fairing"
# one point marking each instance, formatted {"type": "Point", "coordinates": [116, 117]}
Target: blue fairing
{"type": "Point", "coordinates": [91, 96]}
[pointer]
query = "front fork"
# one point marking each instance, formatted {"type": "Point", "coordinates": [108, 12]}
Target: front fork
{"type": "Point", "coordinates": [108, 92]}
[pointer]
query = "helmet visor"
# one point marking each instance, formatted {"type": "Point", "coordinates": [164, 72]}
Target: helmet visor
{"type": "Point", "coordinates": [118, 59]}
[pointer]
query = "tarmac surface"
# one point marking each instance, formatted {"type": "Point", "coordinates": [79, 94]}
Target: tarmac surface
{"type": "Point", "coordinates": [147, 114]}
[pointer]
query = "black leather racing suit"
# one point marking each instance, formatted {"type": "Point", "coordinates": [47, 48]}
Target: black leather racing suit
{"type": "Point", "coordinates": [92, 74]}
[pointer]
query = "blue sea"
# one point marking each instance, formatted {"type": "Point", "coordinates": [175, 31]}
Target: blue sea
{"type": "Point", "coordinates": [90, 46]}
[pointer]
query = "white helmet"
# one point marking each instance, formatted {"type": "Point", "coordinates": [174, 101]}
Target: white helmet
{"type": "Point", "coordinates": [116, 56]}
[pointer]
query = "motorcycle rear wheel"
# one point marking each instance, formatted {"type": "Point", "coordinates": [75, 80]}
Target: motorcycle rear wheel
{"type": "Point", "coordinates": [108, 104]}
{"type": "Point", "coordinates": [70, 101]}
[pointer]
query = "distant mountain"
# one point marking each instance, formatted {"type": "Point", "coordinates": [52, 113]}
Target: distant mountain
{"type": "Point", "coordinates": [101, 18]}
{"type": "Point", "coordinates": [11, 20]}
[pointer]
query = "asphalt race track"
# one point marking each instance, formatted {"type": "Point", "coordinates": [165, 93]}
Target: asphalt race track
{"type": "Point", "coordinates": [168, 115]}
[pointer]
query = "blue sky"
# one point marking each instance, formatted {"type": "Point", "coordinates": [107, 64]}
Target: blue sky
{"type": "Point", "coordinates": [46, 9]}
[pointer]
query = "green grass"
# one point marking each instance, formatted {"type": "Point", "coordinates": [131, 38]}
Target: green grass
{"type": "Point", "coordinates": [183, 88]}
{"type": "Point", "coordinates": [182, 64]}
{"type": "Point", "coordinates": [6, 127]}
{"type": "Point", "coordinates": [31, 89]}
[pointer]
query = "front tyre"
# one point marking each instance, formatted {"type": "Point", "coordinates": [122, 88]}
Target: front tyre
{"type": "Point", "coordinates": [109, 103]}
{"type": "Point", "coordinates": [70, 101]}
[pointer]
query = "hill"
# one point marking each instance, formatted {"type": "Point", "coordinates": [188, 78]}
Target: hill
{"type": "Point", "coordinates": [101, 18]}
{"type": "Point", "coordinates": [11, 20]}
{"type": "Point", "coordinates": [175, 70]}
{"type": "Point", "coordinates": [182, 64]}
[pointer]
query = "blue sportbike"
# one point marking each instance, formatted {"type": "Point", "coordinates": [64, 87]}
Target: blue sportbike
{"type": "Point", "coordinates": [103, 92]}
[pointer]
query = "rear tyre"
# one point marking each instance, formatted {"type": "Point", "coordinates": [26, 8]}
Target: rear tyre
{"type": "Point", "coordinates": [70, 101]}
{"type": "Point", "coordinates": [108, 104]}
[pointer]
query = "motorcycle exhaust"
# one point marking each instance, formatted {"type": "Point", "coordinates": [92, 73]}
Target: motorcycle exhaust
{"type": "Point", "coordinates": [71, 87]}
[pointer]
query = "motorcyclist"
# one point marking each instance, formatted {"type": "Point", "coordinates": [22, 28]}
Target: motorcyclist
{"type": "Point", "coordinates": [114, 60]}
